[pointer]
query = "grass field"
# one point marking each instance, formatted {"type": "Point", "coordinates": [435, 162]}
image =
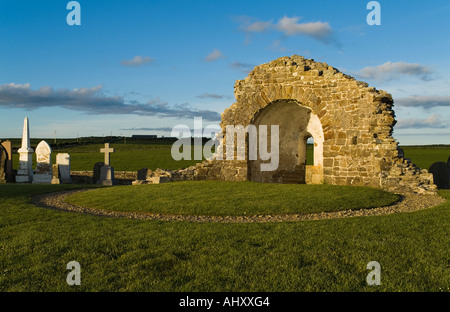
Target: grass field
{"type": "Point", "coordinates": [242, 198]}
{"type": "Point", "coordinates": [141, 255]}
{"type": "Point", "coordinates": [138, 255]}
{"type": "Point", "coordinates": [153, 154]}
{"type": "Point", "coordinates": [424, 156]}
{"type": "Point", "coordinates": [127, 157]}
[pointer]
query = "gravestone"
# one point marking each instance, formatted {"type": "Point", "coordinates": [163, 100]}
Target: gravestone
{"type": "Point", "coordinates": [9, 161]}
{"type": "Point", "coordinates": [55, 174]}
{"type": "Point", "coordinates": [3, 158]}
{"type": "Point", "coordinates": [106, 172]}
{"type": "Point", "coordinates": [106, 176]}
{"type": "Point", "coordinates": [63, 161]}
{"type": "Point", "coordinates": [448, 166]}
{"type": "Point", "coordinates": [25, 171]}
{"type": "Point", "coordinates": [440, 173]}
{"type": "Point", "coordinates": [142, 174]}
{"type": "Point", "coordinates": [43, 172]}
{"type": "Point", "coordinates": [96, 175]}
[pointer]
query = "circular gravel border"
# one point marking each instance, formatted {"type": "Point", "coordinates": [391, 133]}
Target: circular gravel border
{"type": "Point", "coordinates": [407, 203]}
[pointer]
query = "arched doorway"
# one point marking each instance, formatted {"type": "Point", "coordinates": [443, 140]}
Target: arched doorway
{"type": "Point", "coordinates": [296, 124]}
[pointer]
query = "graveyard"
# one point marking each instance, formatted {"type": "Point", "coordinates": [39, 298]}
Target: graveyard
{"type": "Point", "coordinates": [136, 219]}
{"type": "Point", "coordinates": [206, 255]}
{"type": "Point", "coordinates": [185, 150]}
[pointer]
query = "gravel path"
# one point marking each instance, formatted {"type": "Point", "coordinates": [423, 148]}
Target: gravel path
{"type": "Point", "coordinates": [406, 204]}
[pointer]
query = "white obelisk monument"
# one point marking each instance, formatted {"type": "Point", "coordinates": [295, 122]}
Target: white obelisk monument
{"type": "Point", "coordinates": [25, 171]}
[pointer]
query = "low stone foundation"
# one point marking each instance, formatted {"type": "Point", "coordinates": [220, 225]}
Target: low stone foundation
{"type": "Point", "coordinates": [404, 178]}
{"type": "Point", "coordinates": [86, 177]}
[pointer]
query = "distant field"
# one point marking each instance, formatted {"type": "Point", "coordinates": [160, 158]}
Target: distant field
{"type": "Point", "coordinates": [137, 154]}
{"type": "Point", "coordinates": [424, 156]}
{"type": "Point", "coordinates": [127, 156]}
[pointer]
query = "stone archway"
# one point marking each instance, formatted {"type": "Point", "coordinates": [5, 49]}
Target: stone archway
{"type": "Point", "coordinates": [351, 124]}
{"type": "Point", "coordinates": [296, 124]}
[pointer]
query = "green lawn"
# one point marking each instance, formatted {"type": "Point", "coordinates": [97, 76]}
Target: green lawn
{"type": "Point", "coordinates": [127, 157]}
{"type": "Point", "coordinates": [140, 255]}
{"type": "Point", "coordinates": [153, 154]}
{"type": "Point", "coordinates": [239, 198]}
{"type": "Point", "coordinates": [424, 156]}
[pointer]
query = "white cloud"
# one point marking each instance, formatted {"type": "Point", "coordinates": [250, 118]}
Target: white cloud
{"type": "Point", "coordinates": [258, 27]}
{"type": "Point", "coordinates": [424, 101]}
{"type": "Point", "coordinates": [289, 26]}
{"type": "Point", "coordinates": [212, 96]}
{"type": "Point", "coordinates": [433, 121]}
{"type": "Point", "coordinates": [137, 61]}
{"type": "Point", "coordinates": [93, 101]}
{"type": "Point", "coordinates": [214, 56]}
{"type": "Point", "coordinates": [395, 70]}
{"type": "Point", "coordinates": [244, 67]}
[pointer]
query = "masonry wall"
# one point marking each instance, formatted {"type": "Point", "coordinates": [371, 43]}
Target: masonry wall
{"type": "Point", "coordinates": [86, 177]}
{"type": "Point", "coordinates": [357, 121]}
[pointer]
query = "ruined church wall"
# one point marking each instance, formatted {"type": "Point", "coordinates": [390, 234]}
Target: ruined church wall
{"type": "Point", "coordinates": [357, 122]}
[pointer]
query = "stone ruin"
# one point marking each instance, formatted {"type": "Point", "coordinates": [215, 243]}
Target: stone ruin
{"type": "Point", "coordinates": [351, 125]}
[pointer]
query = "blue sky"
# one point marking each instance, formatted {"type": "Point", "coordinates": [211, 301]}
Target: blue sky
{"type": "Point", "coordinates": [142, 67]}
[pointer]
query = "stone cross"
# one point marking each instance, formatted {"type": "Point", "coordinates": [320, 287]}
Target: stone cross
{"type": "Point", "coordinates": [107, 150]}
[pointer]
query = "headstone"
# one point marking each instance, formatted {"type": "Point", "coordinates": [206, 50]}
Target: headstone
{"type": "Point", "coordinates": [25, 171]}
{"type": "Point", "coordinates": [63, 161]}
{"type": "Point", "coordinates": [448, 166]}
{"type": "Point", "coordinates": [106, 172]}
{"type": "Point", "coordinates": [97, 167]}
{"type": "Point", "coordinates": [9, 161]}
{"type": "Point", "coordinates": [55, 174]}
{"type": "Point", "coordinates": [440, 173]}
{"type": "Point", "coordinates": [3, 158]}
{"type": "Point", "coordinates": [142, 174]}
{"type": "Point", "coordinates": [106, 176]}
{"type": "Point", "coordinates": [43, 172]}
